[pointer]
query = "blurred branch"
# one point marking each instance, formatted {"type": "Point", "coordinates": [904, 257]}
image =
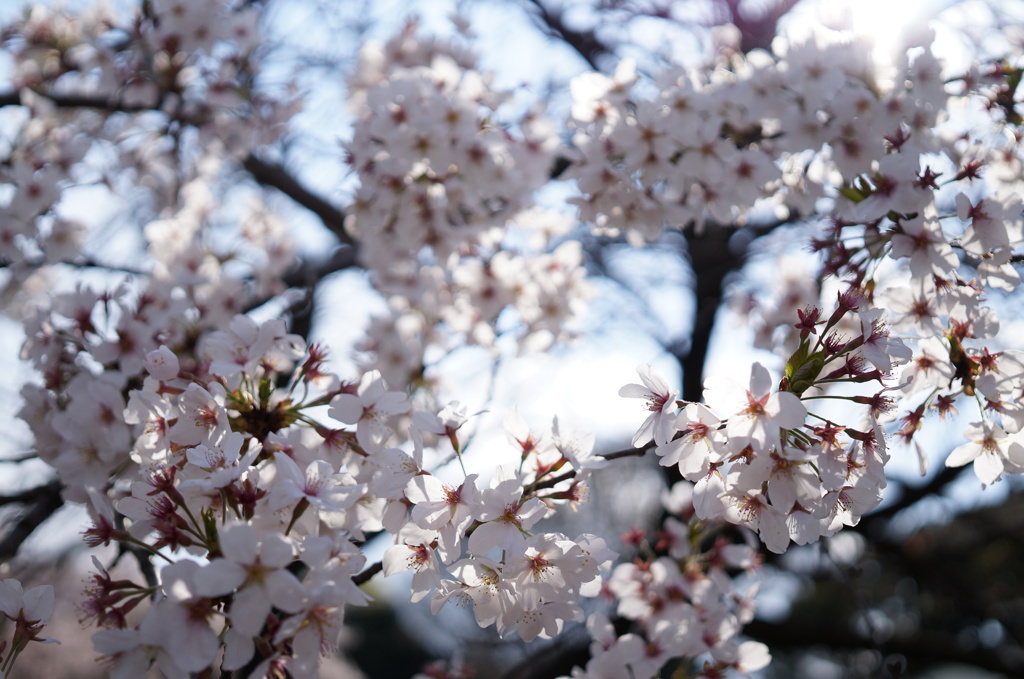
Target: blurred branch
{"type": "Point", "coordinates": [756, 30]}
{"type": "Point", "coordinates": [714, 252]}
{"type": "Point", "coordinates": [275, 176]}
{"type": "Point", "coordinates": [41, 503]}
{"type": "Point", "coordinates": [922, 650]}
{"type": "Point", "coordinates": [585, 43]}
{"type": "Point", "coordinates": [77, 101]}
{"type": "Point", "coordinates": [628, 452]}
{"type": "Point", "coordinates": [912, 494]}
{"type": "Point", "coordinates": [81, 264]}
{"type": "Point", "coordinates": [265, 173]}
{"type": "Point", "coordinates": [18, 460]}
{"type": "Point", "coordinates": [370, 571]}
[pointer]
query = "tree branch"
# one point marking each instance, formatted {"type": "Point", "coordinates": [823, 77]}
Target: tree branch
{"type": "Point", "coordinates": [370, 571]}
{"type": "Point", "coordinates": [913, 494]}
{"type": "Point", "coordinates": [757, 31]}
{"type": "Point", "coordinates": [42, 502]}
{"type": "Point", "coordinates": [925, 650]}
{"type": "Point", "coordinates": [585, 43]}
{"type": "Point", "coordinates": [275, 176]}
{"type": "Point", "coordinates": [265, 173]}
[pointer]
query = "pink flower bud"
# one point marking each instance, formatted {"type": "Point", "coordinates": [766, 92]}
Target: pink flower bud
{"type": "Point", "coordinates": [162, 364]}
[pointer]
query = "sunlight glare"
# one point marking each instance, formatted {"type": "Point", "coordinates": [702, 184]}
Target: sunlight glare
{"type": "Point", "coordinates": [884, 22]}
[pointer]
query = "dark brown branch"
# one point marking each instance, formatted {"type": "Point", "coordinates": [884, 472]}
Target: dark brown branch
{"type": "Point", "coordinates": [628, 452]}
{"type": "Point", "coordinates": [368, 573]}
{"type": "Point", "coordinates": [756, 31]}
{"type": "Point", "coordinates": [82, 264]}
{"type": "Point", "coordinates": [275, 176]}
{"type": "Point", "coordinates": [714, 253]}
{"type": "Point", "coordinates": [42, 502]}
{"type": "Point", "coordinates": [585, 43]}
{"type": "Point", "coordinates": [922, 650]}
{"type": "Point", "coordinates": [78, 101]}
{"type": "Point", "coordinates": [18, 460]}
{"type": "Point", "coordinates": [25, 497]}
{"type": "Point", "coordinates": [913, 494]}
{"type": "Point", "coordinates": [265, 173]}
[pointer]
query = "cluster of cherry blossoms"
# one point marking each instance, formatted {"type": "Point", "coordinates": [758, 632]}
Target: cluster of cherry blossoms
{"type": "Point", "coordinates": [29, 611]}
{"type": "Point", "coordinates": [156, 86]}
{"type": "Point", "coordinates": [752, 455]}
{"type": "Point", "coordinates": [238, 471]}
{"type": "Point", "coordinates": [225, 450]}
{"type": "Point", "coordinates": [711, 145]}
{"type": "Point", "coordinates": [440, 178]}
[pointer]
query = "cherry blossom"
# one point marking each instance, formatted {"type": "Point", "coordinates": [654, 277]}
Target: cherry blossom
{"type": "Point", "coordinates": [172, 398]}
{"type": "Point", "coordinates": [660, 402]}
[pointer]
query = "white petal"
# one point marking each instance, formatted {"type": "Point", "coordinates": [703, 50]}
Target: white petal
{"type": "Point", "coordinates": [760, 380]}
{"type": "Point", "coordinates": [238, 542]}
{"type": "Point", "coordinates": [346, 408]}
{"type": "Point", "coordinates": [219, 577]}
{"type": "Point", "coordinates": [988, 467]}
{"type": "Point", "coordinates": [285, 590]}
{"type": "Point", "coordinates": [634, 391]}
{"type": "Point", "coordinates": [276, 550]}
{"type": "Point", "coordinates": [961, 455]}
{"type": "Point", "coordinates": [38, 603]}
{"type": "Point", "coordinates": [249, 610]}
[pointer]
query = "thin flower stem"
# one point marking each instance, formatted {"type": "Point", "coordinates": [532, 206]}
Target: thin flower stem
{"type": "Point", "coordinates": [148, 548]}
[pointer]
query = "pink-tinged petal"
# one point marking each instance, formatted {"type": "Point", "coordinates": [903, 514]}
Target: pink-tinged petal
{"type": "Point", "coordinates": [392, 403]}
{"type": "Point", "coordinates": [396, 559]}
{"type": "Point", "coordinates": [656, 383]}
{"type": "Point", "coordinates": [773, 530]}
{"type": "Point", "coordinates": [238, 650]}
{"type": "Point", "coordinates": [346, 408]}
{"type": "Point", "coordinates": [249, 610]}
{"type": "Point", "coordinates": [431, 515]}
{"type": "Point", "coordinates": [760, 381]}
{"type": "Point", "coordinates": [634, 391]}
{"type": "Point", "coordinates": [287, 469]}
{"type": "Point", "coordinates": [371, 387]}
{"type": "Point", "coordinates": [220, 577]}
{"type": "Point", "coordinates": [285, 591]}
{"type": "Point", "coordinates": [238, 542]}
{"type": "Point", "coordinates": [786, 409]}
{"type": "Point", "coordinates": [193, 644]}
{"type": "Point", "coordinates": [988, 467]}
{"type": "Point", "coordinates": [707, 496]}
{"type": "Point", "coordinates": [162, 364]}
{"type": "Point", "coordinates": [424, 488]}
{"type": "Point", "coordinates": [11, 597]}
{"type": "Point", "coordinates": [276, 551]}
{"type": "Point", "coordinates": [485, 537]}
{"type": "Point", "coordinates": [860, 501]}
{"type": "Point", "coordinates": [531, 512]}
{"type": "Point", "coordinates": [753, 656]}
{"type": "Point", "coordinates": [961, 455]}
{"type": "Point", "coordinates": [115, 641]}
{"type": "Point", "coordinates": [245, 328]}
{"type": "Point", "coordinates": [307, 644]}
{"type": "Point", "coordinates": [645, 433]}
{"type": "Point", "coordinates": [167, 667]}
{"type": "Point", "coordinates": [507, 478]}
{"type": "Point", "coordinates": [38, 603]}
{"type": "Point", "coordinates": [1015, 456]}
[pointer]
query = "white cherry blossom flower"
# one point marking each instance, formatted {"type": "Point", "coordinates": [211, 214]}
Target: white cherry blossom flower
{"type": "Point", "coordinates": [369, 409]}
{"type": "Point", "coordinates": [992, 450]}
{"type": "Point", "coordinates": [253, 570]}
{"type": "Point", "coordinates": [505, 514]}
{"type": "Point", "coordinates": [756, 414]}
{"type": "Point", "coordinates": [661, 403]}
